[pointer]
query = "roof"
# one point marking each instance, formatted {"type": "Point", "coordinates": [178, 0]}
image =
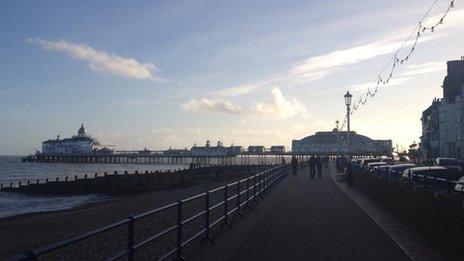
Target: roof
{"type": "Point", "coordinates": [333, 136]}
{"type": "Point", "coordinates": [73, 139]}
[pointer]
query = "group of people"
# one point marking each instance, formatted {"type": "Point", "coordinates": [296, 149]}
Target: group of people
{"type": "Point", "coordinates": [314, 163]}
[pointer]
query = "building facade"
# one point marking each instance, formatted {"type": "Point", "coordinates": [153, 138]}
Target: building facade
{"type": "Point", "coordinates": [82, 143]}
{"type": "Point", "coordinates": [442, 122]}
{"type": "Point", "coordinates": [334, 143]}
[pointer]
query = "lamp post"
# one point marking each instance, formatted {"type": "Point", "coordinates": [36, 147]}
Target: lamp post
{"type": "Point", "coordinates": [348, 103]}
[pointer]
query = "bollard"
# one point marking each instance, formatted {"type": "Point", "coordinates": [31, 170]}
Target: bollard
{"type": "Point", "coordinates": [75, 177]}
{"type": "Point", "coordinates": [46, 180]}
{"type": "Point", "coordinates": [37, 181]}
{"type": "Point", "coordinates": [85, 176]}
{"type": "Point", "coordinates": [96, 175]}
{"type": "Point", "coordinates": [66, 179]}
{"type": "Point", "coordinates": [57, 179]}
{"type": "Point", "coordinates": [1, 186]}
{"type": "Point", "coordinates": [19, 184]}
{"type": "Point", "coordinates": [11, 184]}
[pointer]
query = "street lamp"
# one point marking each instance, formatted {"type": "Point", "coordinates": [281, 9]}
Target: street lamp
{"type": "Point", "coordinates": [348, 103]}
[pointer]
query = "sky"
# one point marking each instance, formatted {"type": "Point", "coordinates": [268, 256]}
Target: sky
{"type": "Point", "coordinates": [162, 74]}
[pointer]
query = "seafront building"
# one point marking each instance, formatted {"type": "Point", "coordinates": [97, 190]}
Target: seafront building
{"type": "Point", "coordinates": [442, 121]}
{"type": "Point", "coordinates": [334, 143]}
{"type": "Point", "coordinates": [80, 144]}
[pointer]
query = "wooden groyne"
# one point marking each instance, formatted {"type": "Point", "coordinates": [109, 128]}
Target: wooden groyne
{"type": "Point", "coordinates": [138, 182]}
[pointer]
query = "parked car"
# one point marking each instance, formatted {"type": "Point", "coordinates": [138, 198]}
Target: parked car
{"type": "Point", "coordinates": [371, 165]}
{"type": "Point", "coordinates": [366, 161]}
{"type": "Point", "coordinates": [389, 161]}
{"type": "Point", "coordinates": [433, 171]}
{"type": "Point", "coordinates": [395, 171]}
{"type": "Point", "coordinates": [428, 162]}
{"type": "Point", "coordinates": [459, 185]}
{"type": "Point", "coordinates": [449, 163]}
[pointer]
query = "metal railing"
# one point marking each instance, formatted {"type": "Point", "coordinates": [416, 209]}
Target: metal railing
{"type": "Point", "coordinates": [246, 192]}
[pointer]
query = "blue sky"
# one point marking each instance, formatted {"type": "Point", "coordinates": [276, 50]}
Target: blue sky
{"type": "Point", "coordinates": [171, 73]}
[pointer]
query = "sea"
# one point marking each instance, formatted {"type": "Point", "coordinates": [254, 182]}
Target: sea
{"type": "Point", "coordinates": [12, 169]}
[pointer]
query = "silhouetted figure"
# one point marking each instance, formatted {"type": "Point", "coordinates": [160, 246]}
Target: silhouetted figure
{"type": "Point", "coordinates": [319, 167]}
{"type": "Point", "coordinates": [312, 166]}
{"type": "Point", "coordinates": [294, 163]}
{"type": "Point", "coordinates": [283, 160]}
{"type": "Point", "coordinates": [349, 173]}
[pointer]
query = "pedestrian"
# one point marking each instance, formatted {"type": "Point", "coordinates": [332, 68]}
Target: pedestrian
{"type": "Point", "coordinates": [294, 164]}
{"type": "Point", "coordinates": [319, 167]}
{"type": "Point", "coordinates": [312, 166]}
{"type": "Point", "coordinates": [283, 160]}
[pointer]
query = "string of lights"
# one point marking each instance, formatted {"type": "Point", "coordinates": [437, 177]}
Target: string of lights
{"type": "Point", "coordinates": [385, 76]}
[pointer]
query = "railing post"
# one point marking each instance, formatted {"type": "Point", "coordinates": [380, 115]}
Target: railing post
{"type": "Point", "coordinates": [254, 188]}
{"type": "Point", "coordinates": [226, 208]}
{"type": "Point", "coordinates": [239, 212]}
{"type": "Point", "coordinates": [207, 219]}
{"type": "Point", "coordinates": [248, 192]}
{"type": "Point", "coordinates": [130, 238]}
{"type": "Point", "coordinates": [179, 230]}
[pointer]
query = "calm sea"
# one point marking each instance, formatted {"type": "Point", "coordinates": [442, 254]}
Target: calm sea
{"type": "Point", "coordinates": [12, 169]}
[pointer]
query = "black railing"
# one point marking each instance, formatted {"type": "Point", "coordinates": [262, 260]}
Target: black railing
{"type": "Point", "coordinates": [249, 189]}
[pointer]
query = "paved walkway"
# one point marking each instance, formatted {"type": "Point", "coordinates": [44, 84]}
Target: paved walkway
{"type": "Point", "coordinates": [305, 219]}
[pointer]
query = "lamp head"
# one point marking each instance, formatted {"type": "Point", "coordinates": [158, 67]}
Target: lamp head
{"type": "Point", "coordinates": [348, 98]}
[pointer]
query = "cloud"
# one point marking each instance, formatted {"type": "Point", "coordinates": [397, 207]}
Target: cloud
{"type": "Point", "coordinates": [235, 90]}
{"type": "Point", "coordinates": [318, 67]}
{"type": "Point", "coordinates": [427, 67]}
{"type": "Point", "coordinates": [139, 103]}
{"type": "Point", "coordinates": [100, 61]}
{"type": "Point", "coordinates": [208, 105]}
{"type": "Point", "coordinates": [278, 106]}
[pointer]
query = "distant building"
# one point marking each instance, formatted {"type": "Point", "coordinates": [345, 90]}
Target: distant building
{"type": "Point", "coordinates": [234, 150]}
{"type": "Point", "coordinates": [82, 143]}
{"type": "Point", "coordinates": [334, 142]}
{"type": "Point", "coordinates": [209, 151]}
{"type": "Point", "coordinates": [442, 122]}
{"type": "Point", "coordinates": [256, 149]}
{"type": "Point", "coordinates": [278, 149]}
{"type": "Point", "coordinates": [430, 139]}
{"type": "Point", "coordinates": [176, 152]}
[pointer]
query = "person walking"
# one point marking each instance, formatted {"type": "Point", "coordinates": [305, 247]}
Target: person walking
{"type": "Point", "coordinates": [294, 163]}
{"type": "Point", "coordinates": [319, 167]}
{"type": "Point", "coordinates": [312, 166]}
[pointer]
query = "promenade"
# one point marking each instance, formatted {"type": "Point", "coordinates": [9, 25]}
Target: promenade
{"type": "Point", "coordinates": [304, 219]}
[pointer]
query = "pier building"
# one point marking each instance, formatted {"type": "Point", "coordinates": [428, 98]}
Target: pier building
{"type": "Point", "coordinates": [334, 142]}
{"type": "Point", "coordinates": [82, 143]}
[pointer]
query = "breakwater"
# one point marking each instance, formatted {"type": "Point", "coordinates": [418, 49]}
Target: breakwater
{"type": "Point", "coordinates": [130, 183]}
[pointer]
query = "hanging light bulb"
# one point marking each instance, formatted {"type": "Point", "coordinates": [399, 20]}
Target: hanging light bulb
{"type": "Point", "coordinates": [452, 4]}
{"type": "Point", "coordinates": [432, 29]}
